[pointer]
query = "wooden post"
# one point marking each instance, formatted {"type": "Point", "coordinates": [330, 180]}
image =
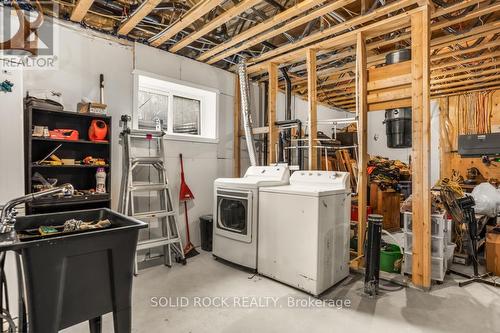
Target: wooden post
{"type": "Point", "coordinates": [271, 109]}
{"type": "Point", "coordinates": [421, 202]}
{"type": "Point", "coordinates": [313, 108]}
{"type": "Point", "coordinates": [236, 129]}
{"type": "Point", "coordinates": [361, 96]}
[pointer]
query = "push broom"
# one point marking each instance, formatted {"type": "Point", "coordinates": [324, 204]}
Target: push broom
{"type": "Point", "coordinates": [185, 195]}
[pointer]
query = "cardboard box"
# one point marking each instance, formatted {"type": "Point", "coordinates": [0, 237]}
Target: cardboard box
{"type": "Point", "coordinates": [493, 253]}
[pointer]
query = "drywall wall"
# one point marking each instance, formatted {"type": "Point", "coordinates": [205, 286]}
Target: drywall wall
{"type": "Point", "coordinates": [377, 140]}
{"type": "Point", "coordinates": [78, 76]}
{"type": "Point", "coordinates": [11, 137]}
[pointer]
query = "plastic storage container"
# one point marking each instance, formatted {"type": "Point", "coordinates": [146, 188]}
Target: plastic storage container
{"type": "Point", "coordinates": [437, 245]}
{"type": "Point", "coordinates": [438, 267]}
{"type": "Point", "coordinates": [439, 224]}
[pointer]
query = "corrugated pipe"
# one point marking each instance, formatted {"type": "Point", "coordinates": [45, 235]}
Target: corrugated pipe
{"type": "Point", "coordinates": [245, 110]}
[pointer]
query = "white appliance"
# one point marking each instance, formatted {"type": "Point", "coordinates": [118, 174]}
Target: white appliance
{"type": "Point", "coordinates": [304, 230]}
{"type": "Point", "coordinates": [236, 213]}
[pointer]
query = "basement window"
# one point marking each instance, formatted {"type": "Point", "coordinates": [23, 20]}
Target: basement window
{"type": "Point", "coordinates": [186, 112]}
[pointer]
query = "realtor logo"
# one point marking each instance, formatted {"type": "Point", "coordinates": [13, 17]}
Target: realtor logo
{"type": "Point", "coordinates": [27, 39]}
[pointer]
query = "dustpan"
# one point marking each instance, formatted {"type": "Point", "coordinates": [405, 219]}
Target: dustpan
{"type": "Point", "coordinates": [185, 193]}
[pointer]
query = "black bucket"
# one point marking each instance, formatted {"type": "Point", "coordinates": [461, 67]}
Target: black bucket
{"type": "Point", "coordinates": [206, 232]}
{"type": "Point", "coordinates": [398, 127]}
{"type": "Point", "coordinates": [81, 276]}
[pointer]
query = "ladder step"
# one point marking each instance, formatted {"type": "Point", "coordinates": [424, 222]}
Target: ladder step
{"type": "Point", "coordinates": [150, 243]}
{"type": "Point", "coordinates": [147, 160]}
{"type": "Point", "coordinates": [157, 214]}
{"type": "Point", "coordinates": [149, 187]}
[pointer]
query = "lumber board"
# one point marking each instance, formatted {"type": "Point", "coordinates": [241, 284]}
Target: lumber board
{"type": "Point", "coordinates": [362, 105]}
{"type": "Point", "coordinates": [80, 10]}
{"type": "Point", "coordinates": [271, 109]}
{"type": "Point", "coordinates": [312, 108]}
{"type": "Point", "coordinates": [141, 12]}
{"type": "Point", "coordinates": [421, 203]}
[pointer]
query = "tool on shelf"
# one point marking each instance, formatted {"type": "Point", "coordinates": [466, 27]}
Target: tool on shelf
{"type": "Point", "coordinates": [98, 131]}
{"type": "Point", "coordinates": [166, 216]}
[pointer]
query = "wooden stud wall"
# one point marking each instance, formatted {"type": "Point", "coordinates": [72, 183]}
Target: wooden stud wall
{"type": "Point", "coordinates": [271, 109]}
{"type": "Point", "coordinates": [312, 109]}
{"type": "Point", "coordinates": [421, 196]}
{"type": "Point", "coordinates": [361, 95]}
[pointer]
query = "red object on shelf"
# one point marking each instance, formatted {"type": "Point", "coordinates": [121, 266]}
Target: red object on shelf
{"type": "Point", "coordinates": [98, 130]}
{"type": "Point", "coordinates": [354, 212]}
{"type": "Point", "coordinates": [64, 134]}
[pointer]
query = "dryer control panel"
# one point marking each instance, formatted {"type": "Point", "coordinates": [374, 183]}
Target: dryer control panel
{"type": "Point", "coordinates": [335, 179]}
{"type": "Point", "coordinates": [277, 172]}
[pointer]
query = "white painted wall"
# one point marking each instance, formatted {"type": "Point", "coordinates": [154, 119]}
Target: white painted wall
{"type": "Point", "coordinates": [377, 140]}
{"type": "Point", "coordinates": [11, 138]}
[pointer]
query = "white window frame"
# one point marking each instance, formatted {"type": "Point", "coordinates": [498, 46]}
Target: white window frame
{"type": "Point", "coordinates": [204, 113]}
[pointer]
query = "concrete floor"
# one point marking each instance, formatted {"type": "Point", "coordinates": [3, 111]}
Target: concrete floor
{"type": "Point", "coordinates": [447, 308]}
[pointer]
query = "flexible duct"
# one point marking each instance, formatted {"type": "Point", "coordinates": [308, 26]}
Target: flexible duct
{"type": "Point", "coordinates": [245, 110]}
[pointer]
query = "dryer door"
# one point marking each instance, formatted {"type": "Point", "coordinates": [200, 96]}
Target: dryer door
{"type": "Point", "coordinates": [234, 214]}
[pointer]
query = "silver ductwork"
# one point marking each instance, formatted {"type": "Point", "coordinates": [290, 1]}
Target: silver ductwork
{"type": "Point", "coordinates": [245, 110]}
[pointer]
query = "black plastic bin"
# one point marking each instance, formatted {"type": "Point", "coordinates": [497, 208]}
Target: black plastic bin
{"type": "Point", "coordinates": [206, 232]}
{"type": "Point", "coordinates": [81, 276]}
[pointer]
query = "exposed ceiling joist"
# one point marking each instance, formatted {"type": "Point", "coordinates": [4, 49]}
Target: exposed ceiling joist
{"type": "Point", "coordinates": [257, 29]}
{"type": "Point", "coordinates": [216, 22]}
{"type": "Point", "coordinates": [141, 12]}
{"type": "Point", "coordinates": [80, 10]}
{"type": "Point", "coordinates": [185, 21]}
{"type": "Point", "coordinates": [274, 32]}
{"type": "Point", "coordinates": [382, 11]}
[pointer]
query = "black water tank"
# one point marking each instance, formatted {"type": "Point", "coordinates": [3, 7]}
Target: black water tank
{"type": "Point", "coordinates": [398, 127]}
{"type": "Point", "coordinates": [206, 232]}
{"type": "Point", "coordinates": [398, 121]}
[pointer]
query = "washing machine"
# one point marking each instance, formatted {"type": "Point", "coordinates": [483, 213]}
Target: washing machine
{"type": "Point", "coordinates": [304, 230]}
{"type": "Point", "coordinates": [236, 213]}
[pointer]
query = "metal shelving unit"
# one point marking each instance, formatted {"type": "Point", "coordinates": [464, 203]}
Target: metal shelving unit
{"type": "Point", "coordinates": [81, 176]}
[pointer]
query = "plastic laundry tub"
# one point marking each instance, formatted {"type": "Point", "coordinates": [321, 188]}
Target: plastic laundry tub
{"type": "Point", "coordinates": [79, 276]}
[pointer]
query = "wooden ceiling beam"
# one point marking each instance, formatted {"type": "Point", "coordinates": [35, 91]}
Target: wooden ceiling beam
{"type": "Point", "coordinates": [286, 27]}
{"type": "Point", "coordinates": [466, 88]}
{"type": "Point", "coordinates": [141, 12]}
{"type": "Point", "coordinates": [444, 66]}
{"type": "Point", "coordinates": [477, 13]}
{"type": "Point", "coordinates": [257, 29]}
{"type": "Point", "coordinates": [387, 9]}
{"type": "Point", "coordinates": [468, 70]}
{"type": "Point", "coordinates": [213, 24]}
{"type": "Point", "coordinates": [453, 8]}
{"type": "Point", "coordinates": [80, 10]}
{"type": "Point", "coordinates": [184, 21]}
{"type": "Point", "coordinates": [480, 47]}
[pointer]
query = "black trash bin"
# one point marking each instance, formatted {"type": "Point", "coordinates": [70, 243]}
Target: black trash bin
{"type": "Point", "coordinates": [206, 232]}
{"type": "Point", "coordinates": [78, 276]}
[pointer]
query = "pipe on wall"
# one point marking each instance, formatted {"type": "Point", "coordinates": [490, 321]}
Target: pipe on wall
{"type": "Point", "coordinates": [245, 110]}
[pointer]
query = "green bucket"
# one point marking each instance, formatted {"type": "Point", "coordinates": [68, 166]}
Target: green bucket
{"type": "Point", "coordinates": [390, 256]}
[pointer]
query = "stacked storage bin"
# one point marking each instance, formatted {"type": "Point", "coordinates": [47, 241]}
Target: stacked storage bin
{"type": "Point", "coordinates": [441, 246]}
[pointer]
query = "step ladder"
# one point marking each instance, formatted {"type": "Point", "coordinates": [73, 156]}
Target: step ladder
{"type": "Point", "coordinates": [166, 216]}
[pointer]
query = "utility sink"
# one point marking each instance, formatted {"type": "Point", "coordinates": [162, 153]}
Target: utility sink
{"type": "Point", "coordinates": [77, 276]}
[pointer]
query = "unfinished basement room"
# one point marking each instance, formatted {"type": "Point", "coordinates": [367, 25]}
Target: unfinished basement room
{"type": "Point", "coordinates": [221, 166]}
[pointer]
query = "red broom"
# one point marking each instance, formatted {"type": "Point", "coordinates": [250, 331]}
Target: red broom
{"type": "Point", "coordinates": [185, 195]}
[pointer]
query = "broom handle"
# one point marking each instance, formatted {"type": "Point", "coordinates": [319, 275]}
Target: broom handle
{"type": "Point", "coordinates": [182, 168]}
{"type": "Point", "coordinates": [187, 222]}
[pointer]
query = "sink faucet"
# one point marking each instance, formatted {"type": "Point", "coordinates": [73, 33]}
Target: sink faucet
{"type": "Point", "coordinates": [8, 216]}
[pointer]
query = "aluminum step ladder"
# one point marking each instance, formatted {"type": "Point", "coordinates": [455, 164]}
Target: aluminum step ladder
{"type": "Point", "coordinates": [166, 215]}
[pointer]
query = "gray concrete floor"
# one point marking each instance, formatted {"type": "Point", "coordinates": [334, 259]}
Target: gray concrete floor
{"type": "Point", "coordinates": [446, 308]}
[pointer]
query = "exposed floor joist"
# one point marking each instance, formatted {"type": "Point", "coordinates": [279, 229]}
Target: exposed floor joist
{"type": "Point", "coordinates": [80, 10]}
